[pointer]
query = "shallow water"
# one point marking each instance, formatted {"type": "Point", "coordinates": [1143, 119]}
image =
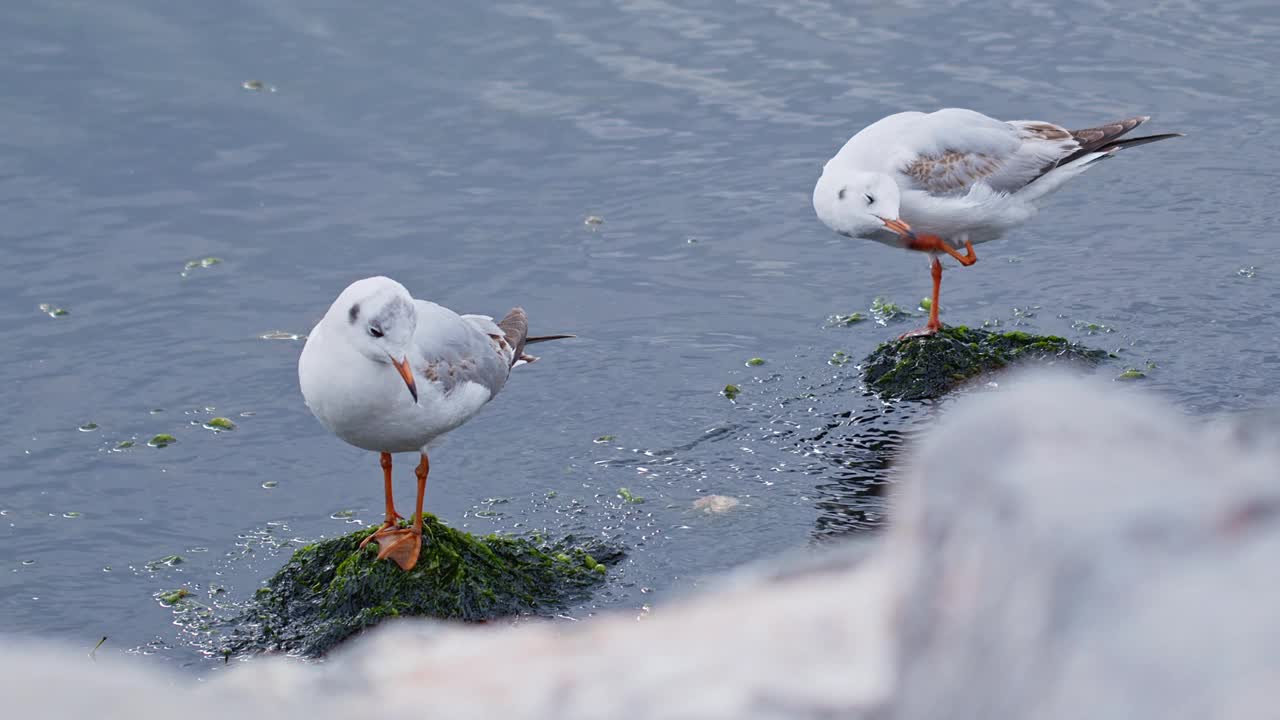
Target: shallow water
{"type": "Point", "coordinates": [459, 150]}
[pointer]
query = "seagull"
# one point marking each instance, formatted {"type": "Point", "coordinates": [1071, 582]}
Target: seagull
{"type": "Point", "coordinates": [934, 181]}
{"type": "Point", "coordinates": [389, 373]}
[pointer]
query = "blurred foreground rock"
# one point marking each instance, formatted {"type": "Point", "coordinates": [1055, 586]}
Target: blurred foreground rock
{"type": "Point", "coordinates": [1063, 550]}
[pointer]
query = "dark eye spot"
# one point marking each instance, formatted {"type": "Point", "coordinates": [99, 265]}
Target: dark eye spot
{"type": "Point", "coordinates": [840, 194]}
{"type": "Point", "coordinates": [870, 200]}
{"type": "Point", "coordinates": [375, 330]}
{"type": "Point", "coordinates": [354, 313]}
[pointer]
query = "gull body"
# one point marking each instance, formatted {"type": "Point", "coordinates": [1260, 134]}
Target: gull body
{"type": "Point", "coordinates": [459, 363]}
{"type": "Point", "coordinates": [390, 373]}
{"type": "Point", "coordinates": [934, 181]}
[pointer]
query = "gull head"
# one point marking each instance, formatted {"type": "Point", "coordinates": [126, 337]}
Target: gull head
{"type": "Point", "coordinates": [860, 204]}
{"type": "Point", "coordinates": [377, 317]}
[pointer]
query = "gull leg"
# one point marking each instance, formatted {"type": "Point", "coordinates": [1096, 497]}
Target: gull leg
{"type": "Point", "coordinates": [935, 244]}
{"type": "Point", "coordinates": [403, 544]}
{"type": "Point", "coordinates": [392, 516]}
{"type": "Point", "coordinates": [934, 324]}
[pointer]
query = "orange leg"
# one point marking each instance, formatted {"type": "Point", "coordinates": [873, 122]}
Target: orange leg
{"type": "Point", "coordinates": [934, 324]}
{"type": "Point", "coordinates": [933, 243]}
{"type": "Point", "coordinates": [392, 516]}
{"type": "Point", "coordinates": [403, 544]}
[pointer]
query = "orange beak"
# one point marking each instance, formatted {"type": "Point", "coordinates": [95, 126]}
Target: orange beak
{"type": "Point", "coordinates": [402, 367]}
{"type": "Point", "coordinates": [899, 227]}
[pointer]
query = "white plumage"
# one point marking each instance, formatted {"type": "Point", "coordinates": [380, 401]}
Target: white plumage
{"type": "Point", "coordinates": [388, 373]}
{"type": "Point", "coordinates": [934, 181]}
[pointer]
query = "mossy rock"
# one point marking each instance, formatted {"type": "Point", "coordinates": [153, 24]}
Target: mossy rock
{"type": "Point", "coordinates": [919, 368]}
{"type": "Point", "coordinates": [333, 589]}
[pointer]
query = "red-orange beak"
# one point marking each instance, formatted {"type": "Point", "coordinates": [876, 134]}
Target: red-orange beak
{"type": "Point", "coordinates": [899, 227]}
{"type": "Point", "coordinates": [406, 372]}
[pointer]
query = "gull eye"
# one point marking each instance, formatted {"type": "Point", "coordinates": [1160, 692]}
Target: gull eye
{"type": "Point", "coordinates": [375, 331]}
{"type": "Point", "coordinates": [870, 200]}
{"type": "Point", "coordinates": [840, 194]}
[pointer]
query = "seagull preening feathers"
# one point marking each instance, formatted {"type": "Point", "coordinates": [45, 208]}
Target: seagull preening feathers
{"type": "Point", "coordinates": [388, 373]}
{"type": "Point", "coordinates": [933, 182]}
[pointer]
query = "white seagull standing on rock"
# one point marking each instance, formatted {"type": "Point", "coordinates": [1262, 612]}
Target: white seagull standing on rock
{"type": "Point", "coordinates": [934, 181]}
{"type": "Point", "coordinates": [388, 373]}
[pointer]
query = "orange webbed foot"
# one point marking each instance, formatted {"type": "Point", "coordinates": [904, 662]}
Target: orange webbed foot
{"type": "Point", "coordinates": [926, 331]}
{"type": "Point", "coordinates": [402, 545]}
{"type": "Point", "coordinates": [389, 524]}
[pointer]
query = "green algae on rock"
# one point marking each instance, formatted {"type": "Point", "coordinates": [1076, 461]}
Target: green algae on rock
{"type": "Point", "coordinates": [919, 368]}
{"type": "Point", "coordinates": [332, 589]}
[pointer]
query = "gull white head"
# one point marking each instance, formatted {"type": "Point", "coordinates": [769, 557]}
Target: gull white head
{"type": "Point", "coordinates": [377, 317]}
{"type": "Point", "coordinates": [860, 204]}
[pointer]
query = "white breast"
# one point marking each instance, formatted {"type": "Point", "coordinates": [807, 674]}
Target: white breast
{"type": "Point", "coordinates": [367, 404]}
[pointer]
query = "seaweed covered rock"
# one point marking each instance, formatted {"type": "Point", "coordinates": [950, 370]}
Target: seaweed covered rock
{"type": "Point", "coordinates": [333, 588]}
{"type": "Point", "coordinates": [918, 368]}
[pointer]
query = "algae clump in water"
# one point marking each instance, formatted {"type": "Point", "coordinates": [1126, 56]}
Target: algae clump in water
{"type": "Point", "coordinates": [918, 368]}
{"type": "Point", "coordinates": [333, 589]}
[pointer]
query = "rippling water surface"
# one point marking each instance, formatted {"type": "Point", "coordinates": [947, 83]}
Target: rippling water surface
{"type": "Point", "coordinates": [459, 150]}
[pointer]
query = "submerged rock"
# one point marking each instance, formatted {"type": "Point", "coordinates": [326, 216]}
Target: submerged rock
{"type": "Point", "coordinates": [919, 368]}
{"type": "Point", "coordinates": [333, 589]}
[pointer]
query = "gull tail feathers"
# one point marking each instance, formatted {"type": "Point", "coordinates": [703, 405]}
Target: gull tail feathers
{"type": "Point", "coordinates": [1107, 138]}
{"type": "Point", "coordinates": [515, 326]}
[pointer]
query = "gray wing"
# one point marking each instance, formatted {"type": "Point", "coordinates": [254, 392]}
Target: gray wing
{"type": "Point", "coordinates": [955, 150]}
{"type": "Point", "coordinates": [456, 349]}
{"type": "Point", "coordinates": [962, 150]}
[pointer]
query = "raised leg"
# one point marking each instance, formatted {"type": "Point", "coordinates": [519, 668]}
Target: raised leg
{"type": "Point", "coordinates": [935, 269]}
{"type": "Point", "coordinates": [935, 244]}
{"type": "Point", "coordinates": [404, 544]}
{"type": "Point", "coordinates": [392, 517]}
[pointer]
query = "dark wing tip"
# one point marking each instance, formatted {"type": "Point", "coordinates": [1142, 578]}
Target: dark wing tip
{"type": "Point", "coordinates": [544, 338]}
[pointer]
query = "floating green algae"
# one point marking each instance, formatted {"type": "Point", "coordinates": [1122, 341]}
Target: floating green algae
{"type": "Point", "coordinates": [850, 319]}
{"type": "Point", "coordinates": [731, 391]}
{"type": "Point", "coordinates": [885, 312]}
{"type": "Point", "coordinates": [755, 362]}
{"type": "Point", "coordinates": [199, 264]}
{"type": "Point", "coordinates": [166, 561]}
{"type": "Point", "coordinates": [53, 311]}
{"type": "Point", "coordinates": [1131, 374]}
{"type": "Point", "coordinates": [220, 424]}
{"type": "Point", "coordinates": [332, 589]}
{"type": "Point", "coordinates": [629, 497]}
{"type": "Point", "coordinates": [918, 368]}
{"type": "Point", "coordinates": [174, 596]}
{"type": "Point", "coordinates": [162, 440]}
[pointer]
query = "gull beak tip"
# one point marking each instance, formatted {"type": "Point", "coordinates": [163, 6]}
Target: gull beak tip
{"type": "Point", "coordinates": [899, 227]}
{"type": "Point", "coordinates": [406, 372]}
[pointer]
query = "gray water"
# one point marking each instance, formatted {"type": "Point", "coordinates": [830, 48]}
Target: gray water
{"type": "Point", "coordinates": [460, 150]}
